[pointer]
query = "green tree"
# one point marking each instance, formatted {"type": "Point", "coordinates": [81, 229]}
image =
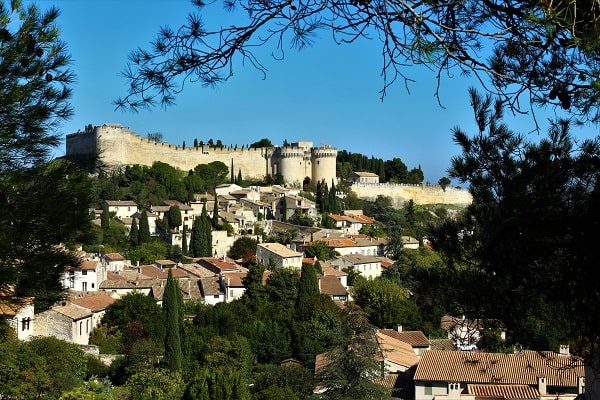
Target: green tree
{"type": "Point", "coordinates": [144, 230]}
{"type": "Point", "coordinates": [243, 248]}
{"type": "Point", "coordinates": [184, 241]}
{"type": "Point", "coordinates": [444, 182]}
{"type": "Point", "coordinates": [173, 313]}
{"type": "Point", "coordinates": [319, 249]}
{"type": "Point", "coordinates": [133, 307]}
{"type": "Point", "coordinates": [307, 288]}
{"type": "Point", "coordinates": [264, 142]}
{"type": "Point", "coordinates": [174, 220]}
{"type": "Point", "coordinates": [530, 229]}
{"type": "Point", "coordinates": [157, 384]}
{"type": "Point", "coordinates": [134, 234]}
{"type": "Point", "coordinates": [215, 215]}
{"type": "Point", "coordinates": [105, 217]}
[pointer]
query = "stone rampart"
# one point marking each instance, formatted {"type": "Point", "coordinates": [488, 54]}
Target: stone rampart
{"type": "Point", "coordinates": [420, 194]}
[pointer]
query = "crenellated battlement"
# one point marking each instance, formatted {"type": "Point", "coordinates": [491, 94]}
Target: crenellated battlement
{"type": "Point", "coordinates": [118, 146]}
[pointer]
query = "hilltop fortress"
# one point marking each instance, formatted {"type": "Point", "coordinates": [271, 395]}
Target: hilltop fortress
{"type": "Point", "coordinates": [117, 145]}
{"type": "Point", "coordinates": [297, 163]}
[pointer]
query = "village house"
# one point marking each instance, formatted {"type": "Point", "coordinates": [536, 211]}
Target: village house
{"type": "Point", "coordinates": [276, 255]}
{"type": "Point", "coordinates": [367, 266]}
{"type": "Point", "coordinates": [363, 177]}
{"type": "Point", "coordinates": [19, 314]}
{"type": "Point", "coordinates": [87, 276]}
{"type": "Point", "coordinates": [455, 375]}
{"type": "Point", "coordinates": [232, 284]}
{"type": "Point", "coordinates": [211, 290]}
{"type": "Point", "coordinates": [331, 286]}
{"type": "Point", "coordinates": [351, 221]}
{"type": "Point", "coordinates": [67, 322]}
{"type": "Point", "coordinates": [121, 208]}
{"type": "Point", "coordinates": [416, 339]}
{"type": "Point", "coordinates": [96, 303]}
{"type": "Point", "coordinates": [287, 206]}
{"type": "Point", "coordinates": [466, 333]}
{"type": "Point", "coordinates": [152, 217]}
{"type": "Point", "coordinates": [396, 355]}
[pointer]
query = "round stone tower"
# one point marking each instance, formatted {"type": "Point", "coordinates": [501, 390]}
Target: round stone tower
{"type": "Point", "coordinates": [323, 162]}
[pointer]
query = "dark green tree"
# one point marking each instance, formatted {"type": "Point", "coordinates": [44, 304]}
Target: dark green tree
{"type": "Point", "coordinates": [239, 177]}
{"type": "Point", "coordinates": [173, 313]}
{"type": "Point", "coordinates": [105, 217]}
{"type": "Point", "coordinates": [196, 240]}
{"type": "Point", "coordinates": [205, 234]}
{"type": "Point", "coordinates": [174, 219]}
{"type": "Point", "coordinates": [444, 182]}
{"type": "Point", "coordinates": [307, 288]}
{"type": "Point", "coordinates": [215, 215]}
{"type": "Point", "coordinates": [184, 241]}
{"type": "Point", "coordinates": [243, 248]}
{"type": "Point", "coordinates": [264, 142]}
{"type": "Point", "coordinates": [134, 234]}
{"type": "Point", "coordinates": [144, 230]}
{"type": "Point", "coordinates": [195, 143]}
{"type": "Point", "coordinates": [529, 232]}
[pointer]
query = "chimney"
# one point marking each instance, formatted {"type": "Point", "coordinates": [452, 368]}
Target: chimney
{"type": "Point", "coordinates": [564, 350]}
{"type": "Point", "coordinates": [542, 385]}
{"type": "Point", "coordinates": [399, 327]}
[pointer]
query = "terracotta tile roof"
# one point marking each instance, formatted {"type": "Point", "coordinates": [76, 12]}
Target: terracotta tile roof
{"type": "Point", "coordinates": [210, 287]}
{"type": "Point", "coordinates": [331, 285]}
{"type": "Point", "coordinates": [95, 302]}
{"type": "Point", "coordinates": [218, 265]}
{"type": "Point", "coordinates": [504, 391]}
{"type": "Point", "coordinates": [397, 351]}
{"type": "Point", "coordinates": [234, 279]}
{"type": "Point", "coordinates": [442, 344]}
{"type": "Point", "coordinates": [117, 284]}
{"type": "Point", "coordinates": [280, 250]}
{"type": "Point", "coordinates": [337, 217]}
{"type": "Point", "coordinates": [121, 203]}
{"type": "Point", "coordinates": [414, 338]}
{"type": "Point", "coordinates": [197, 270]}
{"type": "Point", "coordinates": [182, 206]}
{"type": "Point", "coordinates": [342, 242]}
{"type": "Point", "coordinates": [114, 257]}
{"type": "Point", "coordinates": [72, 311]}
{"type": "Point", "coordinates": [360, 218]}
{"type": "Point", "coordinates": [88, 265]}
{"type": "Point", "coordinates": [357, 259]}
{"type": "Point", "coordinates": [333, 271]}
{"type": "Point", "coordinates": [156, 273]}
{"type": "Point", "coordinates": [365, 173]}
{"type": "Point", "coordinates": [515, 369]}
{"type": "Point", "coordinates": [12, 306]}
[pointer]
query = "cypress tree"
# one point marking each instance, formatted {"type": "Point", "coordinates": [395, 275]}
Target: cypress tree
{"type": "Point", "coordinates": [134, 234]}
{"type": "Point", "coordinates": [239, 177]}
{"type": "Point", "coordinates": [184, 244]}
{"type": "Point", "coordinates": [173, 312]}
{"type": "Point", "coordinates": [144, 230]}
{"type": "Point", "coordinates": [195, 242]}
{"type": "Point", "coordinates": [205, 235]}
{"type": "Point", "coordinates": [231, 178]}
{"type": "Point", "coordinates": [105, 218]}
{"type": "Point", "coordinates": [215, 217]}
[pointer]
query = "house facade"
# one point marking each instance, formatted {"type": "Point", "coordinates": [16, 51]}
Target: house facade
{"type": "Point", "coordinates": [276, 255]}
{"type": "Point", "coordinates": [121, 208]}
{"type": "Point", "coordinates": [455, 375]}
{"type": "Point", "coordinates": [367, 266]}
{"type": "Point", "coordinates": [19, 314]}
{"type": "Point", "coordinates": [85, 277]}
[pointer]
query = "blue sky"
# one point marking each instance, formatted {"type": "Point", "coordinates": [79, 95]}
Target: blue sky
{"type": "Point", "coordinates": [327, 94]}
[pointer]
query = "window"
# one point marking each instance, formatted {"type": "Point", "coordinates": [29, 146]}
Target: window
{"type": "Point", "coordinates": [25, 324]}
{"type": "Point", "coordinates": [84, 286]}
{"type": "Point", "coordinates": [72, 282]}
{"type": "Point", "coordinates": [92, 285]}
{"type": "Point", "coordinates": [80, 327]}
{"type": "Point", "coordinates": [428, 389]}
{"type": "Point", "coordinates": [84, 272]}
{"type": "Point", "coordinates": [216, 296]}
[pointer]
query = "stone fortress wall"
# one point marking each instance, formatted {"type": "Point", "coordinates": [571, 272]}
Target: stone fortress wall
{"type": "Point", "coordinates": [119, 146]}
{"type": "Point", "coordinates": [420, 194]}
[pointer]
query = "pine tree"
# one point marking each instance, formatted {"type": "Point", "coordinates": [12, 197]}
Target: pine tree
{"type": "Point", "coordinates": [144, 229]}
{"type": "Point", "coordinates": [134, 234]}
{"type": "Point", "coordinates": [173, 312]}
{"type": "Point", "coordinates": [105, 217]}
{"type": "Point", "coordinates": [184, 243]}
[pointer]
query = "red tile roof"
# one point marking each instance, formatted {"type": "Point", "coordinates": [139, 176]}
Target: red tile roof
{"type": "Point", "coordinates": [504, 391]}
{"type": "Point", "coordinates": [114, 257]}
{"type": "Point", "coordinates": [414, 338]}
{"type": "Point", "coordinates": [516, 369]}
{"type": "Point", "coordinates": [331, 285]}
{"type": "Point", "coordinates": [95, 302]}
{"type": "Point", "coordinates": [396, 351]}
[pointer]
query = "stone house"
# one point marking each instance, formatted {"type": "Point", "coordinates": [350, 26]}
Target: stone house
{"type": "Point", "coordinates": [69, 322]}
{"type": "Point", "coordinates": [113, 262]}
{"type": "Point", "coordinates": [276, 255]}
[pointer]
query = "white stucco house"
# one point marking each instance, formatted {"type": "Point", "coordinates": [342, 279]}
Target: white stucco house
{"type": "Point", "coordinates": [276, 255]}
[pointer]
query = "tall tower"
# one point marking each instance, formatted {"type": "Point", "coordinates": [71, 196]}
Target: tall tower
{"type": "Point", "coordinates": [323, 160]}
